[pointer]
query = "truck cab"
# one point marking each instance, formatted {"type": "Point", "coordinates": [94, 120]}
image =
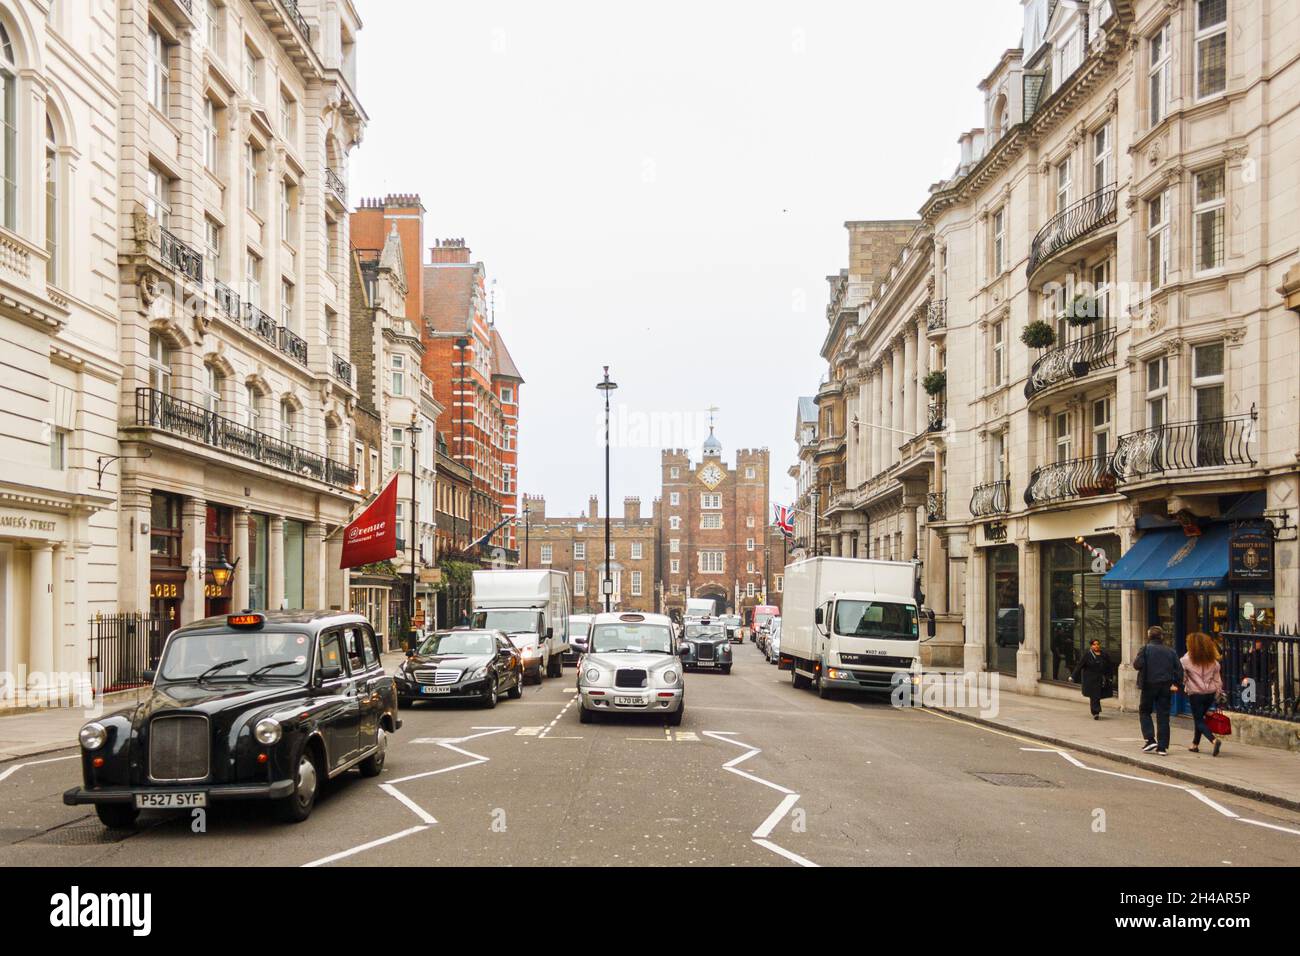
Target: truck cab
{"type": "Point", "coordinates": [532, 609]}
{"type": "Point", "coordinates": [865, 640]}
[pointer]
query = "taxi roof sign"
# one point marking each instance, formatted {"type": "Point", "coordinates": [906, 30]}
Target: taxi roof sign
{"type": "Point", "coordinates": [245, 620]}
{"type": "Point", "coordinates": [631, 617]}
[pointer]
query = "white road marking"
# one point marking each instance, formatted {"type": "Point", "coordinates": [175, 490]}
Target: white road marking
{"type": "Point", "coordinates": [556, 720]}
{"type": "Point", "coordinates": [365, 846]}
{"type": "Point", "coordinates": [32, 763]}
{"type": "Point", "coordinates": [1271, 826]}
{"type": "Point", "coordinates": [406, 801]}
{"type": "Point", "coordinates": [760, 835]}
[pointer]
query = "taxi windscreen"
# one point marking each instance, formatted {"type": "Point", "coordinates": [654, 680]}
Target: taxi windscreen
{"type": "Point", "coordinates": [240, 654]}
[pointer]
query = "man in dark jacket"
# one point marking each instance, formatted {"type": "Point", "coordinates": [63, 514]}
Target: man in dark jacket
{"type": "Point", "coordinates": [1159, 673]}
{"type": "Point", "coordinates": [1093, 673]}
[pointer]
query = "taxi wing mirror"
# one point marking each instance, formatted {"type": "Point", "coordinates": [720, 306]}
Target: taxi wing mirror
{"type": "Point", "coordinates": [330, 672]}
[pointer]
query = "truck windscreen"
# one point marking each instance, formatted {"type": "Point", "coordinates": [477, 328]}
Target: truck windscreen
{"type": "Point", "coordinates": [510, 620]}
{"type": "Point", "coordinates": [876, 619]}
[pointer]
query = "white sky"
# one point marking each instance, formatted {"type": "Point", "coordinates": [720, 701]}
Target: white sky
{"type": "Point", "coordinates": [662, 188]}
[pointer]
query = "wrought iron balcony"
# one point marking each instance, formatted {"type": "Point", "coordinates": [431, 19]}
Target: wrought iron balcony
{"type": "Point", "coordinates": [936, 315]}
{"type": "Point", "coordinates": [1076, 478]}
{"type": "Point", "coordinates": [260, 324]}
{"type": "Point", "coordinates": [179, 257]}
{"type": "Point", "coordinates": [1072, 360]}
{"type": "Point", "coordinates": [1071, 224]}
{"type": "Point", "coordinates": [156, 409]}
{"type": "Point", "coordinates": [936, 506]}
{"type": "Point", "coordinates": [1182, 446]}
{"type": "Point", "coordinates": [293, 13]}
{"type": "Point", "coordinates": [336, 185]}
{"type": "Point", "coordinates": [935, 421]}
{"type": "Point", "coordinates": [342, 369]}
{"type": "Point", "coordinates": [292, 344]}
{"type": "Point", "coordinates": [227, 300]}
{"type": "Point", "coordinates": [992, 498]}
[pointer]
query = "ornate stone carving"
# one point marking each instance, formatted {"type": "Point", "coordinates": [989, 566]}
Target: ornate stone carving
{"type": "Point", "coordinates": [1155, 318]}
{"type": "Point", "coordinates": [150, 288]}
{"type": "Point", "coordinates": [1173, 346]}
{"type": "Point", "coordinates": [1236, 335]}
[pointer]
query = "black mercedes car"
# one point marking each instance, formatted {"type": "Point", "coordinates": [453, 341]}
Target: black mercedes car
{"type": "Point", "coordinates": [261, 705]}
{"type": "Point", "coordinates": [705, 646]}
{"type": "Point", "coordinates": [462, 664]}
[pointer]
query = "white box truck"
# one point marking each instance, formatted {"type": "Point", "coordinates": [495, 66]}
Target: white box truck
{"type": "Point", "coordinates": [532, 608]}
{"type": "Point", "coordinates": [851, 624]}
{"type": "Point", "coordinates": [697, 608]}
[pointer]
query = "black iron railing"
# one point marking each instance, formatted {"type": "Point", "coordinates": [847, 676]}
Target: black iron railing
{"type": "Point", "coordinates": [1072, 360]}
{"type": "Point", "coordinates": [1261, 673]}
{"type": "Point", "coordinates": [1178, 446]}
{"type": "Point", "coordinates": [260, 324]}
{"type": "Point", "coordinates": [935, 419]}
{"type": "Point", "coordinates": [179, 257]}
{"type": "Point", "coordinates": [991, 498]}
{"type": "Point", "coordinates": [1071, 224]}
{"type": "Point", "coordinates": [291, 10]}
{"type": "Point", "coordinates": [936, 506]}
{"type": "Point", "coordinates": [227, 300]}
{"type": "Point", "coordinates": [336, 184]}
{"type": "Point", "coordinates": [122, 647]}
{"type": "Point", "coordinates": [936, 315]}
{"type": "Point", "coordinates": [188, 5]}
{"type": "Point", "coordinates": [292, 344]}
{"type": "Point", "coordinates": [342, 369]}
{"type": "Point", "coordinates": [1076, 478]}
{"type": "Point", "coordinates": [156, 409]}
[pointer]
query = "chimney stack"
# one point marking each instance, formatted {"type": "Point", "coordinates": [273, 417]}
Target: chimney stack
{"type": "Point", "coordinates": [445, 251]}
{"type": "Point", "coordinates": [593, 507]}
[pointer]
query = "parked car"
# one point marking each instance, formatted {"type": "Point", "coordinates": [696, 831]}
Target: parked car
{"type": "Point", "coordinates": [705, 647]}
{"type": "Point", "coordinates": [772, 646]}
{"type": "Point", "coordinates": [579, 626]}
{"type": "Point", "coordinates": [260, 705]}
{"type": "Point", "coordinates": [632, 667]}
{"type": "Point", "coordinates": [462, 664]}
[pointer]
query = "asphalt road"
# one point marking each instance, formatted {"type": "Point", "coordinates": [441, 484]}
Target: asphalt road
{"type": "Point", "coordinates": [758, 774]}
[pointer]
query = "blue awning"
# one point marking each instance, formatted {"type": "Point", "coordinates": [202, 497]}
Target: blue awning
{"type": "Point", "coordinates": [1168, 560]}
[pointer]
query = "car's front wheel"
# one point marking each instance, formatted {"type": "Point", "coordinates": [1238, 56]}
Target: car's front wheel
{"type": "Point", "coordinates": [116, 816]}
{"type": "Point", "coordinates": [517, 688]}
{"type": "Point", "coordinates": [675, 718]}
{"type": "Point", "coordinates": [373, 765]}
{"type": "Point", "coordinates": [726, 668]}
{"type": "Point", "coordinates": [584, 715]}
{"type": "Point", "coordinates": [489, 699]}
{"type": "Point", "coordinates": [297, 807]}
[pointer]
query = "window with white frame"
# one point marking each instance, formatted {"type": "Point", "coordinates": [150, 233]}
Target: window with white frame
{"type": "Point", "coordinates": [750, 472]}
{"type": "Point", "coordinates": [999, 353]}
{"type": "Point", "coordinates": [675, 499]}
{"type": "Point", "coordinates": [1061, 436]}
{"type": "Point", "coordinates": [579, 582]}
{"type": "Point", "coordinates": [288, 423]}
{"type": "Point", "coordinates": [1101, 427]}
{"type": "Point", "coordinates": [710, 499]}
{"type": "Point", "coordinates": [780, 583]}
{"type": "Point", "coordinates": [1158, 239]}
{"type": "Point", "coordinates": [160, 364]}
{"type": "Point", "coordinates": [749, 567]}
{"type": "Point", "coordinates": [399, 525]}
{"type": "Point", "coordinates": [507, 394]}
{"type": "Point", "coordinates": [636, 550]}
{"type": "Point", "coordinates": [675, 566]}
{"type": "Point", "coordinates": [636, 583]}
{"type": "Point", "coordinates": [1211, 47]}
{"type": "Point", "coordinates": [999, 241]}
{"type": "Point", "coordinates": [211, 136]}
{"type": "Point", "coordinates": [1207, 381]}
{"type": "Point", "coordinates": [749, 521]}
{"type": "Point", "coordinates": [212, 387]}
{"type": "Point", "coordinates": [10, 147]}
{"type": "Point", "coordinates": [999, 456]}
{"type": "Point", "coordinates": [397, 367]}
{"type": "Point", "coordinates": [1101, 291]}
{"type": "Point", "coordinates": [1159, 74]}
{"type": "Point", "coordinates": [212, 26]}
{"type": "Point", "coordinates": [711, 521]}
{"type": "Point", "coordinates": [53, 238]}
{"type": "Point", "coordinates": [1102, 157]}
{"type": "Point", "coordinates": [252, 73]}
{"type": "Point", "coordinates": [288, 118]}
{"type": "Point", "coordinates": [547, 552]}
{"type": "Point", "coordinates": [397, 448]}
{"type": "Point", "coordinates": [252, 177]}
{"type": "Point", "coordinates": [711, 562]}
{"type": "Point", "coordinates": [674, 472]}
{"type": "Point", "coordinates": [288, 232]}
{"type": "Point", "coordinates": [749, 544]}
{"type": "Point", "coordinates": [158, 67]}
{"type": "Point", "coordinates": [613, 551]}
{"type": "Point", "coordinates": [253, 279]}
{"type": "Point", "coordinates": [1063, 184]}
{"type": "Point", "coordinates": [1207, 217]}
{"type": "Point", "coordinates": [579, 551]}
{"type": "Point", "coordinates": [287, 304]}
{"type": "Point", "coordinates": [158, 195]}
{"type": "Point", "coordinates": [674, 545]}
{"type": "Point", "coordinates": [674, 523]}
{"type": "Point", "coordinates": [253, 405]}
{"type": "Point", "coordinates": [1157, 394]}
{"type": "Point", "coordinates": [213, 241]}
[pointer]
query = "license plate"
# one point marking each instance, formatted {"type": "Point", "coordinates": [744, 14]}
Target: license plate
{"type": "Point", "coordinates": [628, 701]}
{"type": "Point", "coordinates": [435, 690]}
{"type": "Point", "coordinates": [705, 663]}
{"type": "Point", "coordinates": [164, 801]}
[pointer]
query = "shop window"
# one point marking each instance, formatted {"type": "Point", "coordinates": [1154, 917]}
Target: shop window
{"type": "Point", "coordinates": [1075, 608]}
{"type": "Point", "coordinates": [165, 529]}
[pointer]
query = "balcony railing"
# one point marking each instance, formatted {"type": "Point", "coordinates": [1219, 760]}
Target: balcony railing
{"type": "Point", "coordinates": [179, 257]}
{"type": "Point", "coordinates": [1071, 224]}
{"type": "Point", "coordinates": [292, 344]}
{"type": "Point", "coordinates": [936, 506]}
{"type": "Point", "coordinates": [342, 369]}
{"type": "Point", "coordinates": [260, 324]}
{"type": "Point", "coordinates": [336, 185]}
{"type": "Point", "coordinates": [293, 13]}
{"type": "Point", "coordinates": [156, 409]}
{"type": "Point", "coordinates": [935, 419]}
{"type": "Point", "coordinates": [227, 300]}
{"type": "Point", "coordinates": [1179, 446]}
{"type": "Point", "coordinates": [1076, 478]}
{"type": "Point", "coordinates": [936, 315]}
{"type": "Point", "coordinates": [1072, 360]}
{"type": "Point", "coordinates": [993, 498]}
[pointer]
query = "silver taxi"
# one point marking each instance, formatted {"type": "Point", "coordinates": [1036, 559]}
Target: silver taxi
{"type": "Point", "coordinates": [632, 666]}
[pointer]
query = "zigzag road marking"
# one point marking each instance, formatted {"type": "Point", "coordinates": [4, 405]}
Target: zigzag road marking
{"type": "Point", "coordinates": [32, 763]}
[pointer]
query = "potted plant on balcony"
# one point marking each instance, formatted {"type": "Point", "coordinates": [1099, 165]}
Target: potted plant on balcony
{"type": "Point", "coordinates": [935, 382]}
{"type": "Point", "coordinates": [1038, 335]}
{"type": "Point", "coordinates": [1082, 310]}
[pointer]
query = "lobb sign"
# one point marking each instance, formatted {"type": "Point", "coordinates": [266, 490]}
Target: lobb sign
{"type": "Point", "coordinates": [372, 535]}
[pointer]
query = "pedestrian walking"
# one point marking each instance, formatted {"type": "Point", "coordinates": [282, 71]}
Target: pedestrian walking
{"type": "Point", "coordinates": [1203, 684]}
{"type": "Point", "coordinates": [1158, 675]}
{"type": "Point", "coordinates": [1092, 673]}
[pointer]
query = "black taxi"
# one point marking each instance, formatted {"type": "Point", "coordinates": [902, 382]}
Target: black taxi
{"type": "Point", "coordinates": [261, 705]}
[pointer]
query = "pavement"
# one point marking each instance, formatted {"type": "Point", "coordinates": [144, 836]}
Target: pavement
{"type": "Point", "coordinates": [1260, 773]}
{"type": "Point", "coordinates": [758, 774]}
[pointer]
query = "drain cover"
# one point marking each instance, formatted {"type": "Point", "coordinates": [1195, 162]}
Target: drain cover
{"type": "Point", "coordinates": [1013, 779]}
{"type": "Point", "coordinates": [87, 833]}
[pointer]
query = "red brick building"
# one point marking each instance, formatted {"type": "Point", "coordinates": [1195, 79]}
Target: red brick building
{"type": "Point", "coordinates": [473, 376]}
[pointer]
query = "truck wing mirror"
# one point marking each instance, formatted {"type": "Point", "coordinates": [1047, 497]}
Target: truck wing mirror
{"type": "Point", "coordinates": [818, 616]}
{"type": "Point", "coordinates": [929, 623]}
{"type": "Point", "coordinates": [550, 632]}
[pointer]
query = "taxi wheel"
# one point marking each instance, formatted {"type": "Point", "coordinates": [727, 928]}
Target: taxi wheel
{"type": "Point", "coordinates": [725, 668]}
{"type": "Point", "coordinates": [116, 816]}
{"type": "Point", "coordinates": [517, 688]}
{"type": "Point", "coordinates": [675, 718]}
{"type": "Point", "coordinates": [585, 716]}
{"type": "Point", "coordinates": [297, 807]}
{"type": "Point", "coordinates": [373, 765]}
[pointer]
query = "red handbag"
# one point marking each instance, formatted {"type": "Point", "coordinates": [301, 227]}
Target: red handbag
{"type": "Point", "coordinates": [1219, 723]}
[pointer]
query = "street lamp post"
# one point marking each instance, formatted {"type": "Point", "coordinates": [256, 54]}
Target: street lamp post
{"type": "Point", "coordinates": [415, 433]}
{"type": "Point", "coordinates": [607, 585]}
{"type": "Point", "coordinates": [462, 343]}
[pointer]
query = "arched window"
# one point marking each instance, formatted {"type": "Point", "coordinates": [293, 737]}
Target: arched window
{"type": "Point", "coordinates": [288, 422]}
{"type": "Point", "coordinates": [160, 364]}
{"type": "Point", "coordinates": [213, 387]}
{"type": "Point", "coordinates": [52, 236]}
{"type": "Point", "coordinates": [8, 132]}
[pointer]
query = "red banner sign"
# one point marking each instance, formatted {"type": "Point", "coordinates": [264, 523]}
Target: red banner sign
{"type": "Point", "coordinates": [372, 536]}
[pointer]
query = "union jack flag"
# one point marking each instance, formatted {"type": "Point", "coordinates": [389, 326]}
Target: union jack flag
{"type": "Point", "coordinates": [784, 520]}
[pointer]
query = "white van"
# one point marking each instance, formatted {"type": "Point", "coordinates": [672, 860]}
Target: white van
{"type": "Point", "coordinates": [851, 624]}
{"type": "Point", "coordinates": [532, 608]}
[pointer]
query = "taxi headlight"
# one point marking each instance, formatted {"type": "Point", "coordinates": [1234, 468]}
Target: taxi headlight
{"type": "Point", "coordinates": [93, 736]}
{"type": "Point", "coordinates": [592, 675]}
{"type": "Point", "coordinates": [670, 677]}
{"type": "Point", "coordinates": [268, 731]}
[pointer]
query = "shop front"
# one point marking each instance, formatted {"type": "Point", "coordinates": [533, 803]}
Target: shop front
{"type": "Point", "coordinates": [1004, 627]}
{"type": "Point", "coordinates": [1075, 608]}
{"type": "Point", "coordinates": [167, 572]}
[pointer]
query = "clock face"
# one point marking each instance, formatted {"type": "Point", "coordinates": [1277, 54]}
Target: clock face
{"type": "Point", "coordinates": [711, 475]}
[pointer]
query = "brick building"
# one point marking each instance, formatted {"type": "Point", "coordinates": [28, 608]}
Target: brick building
{"type": "Point", "coordinates": [713, 527]}
{"type": "Point", "coordinates": [576, 546]}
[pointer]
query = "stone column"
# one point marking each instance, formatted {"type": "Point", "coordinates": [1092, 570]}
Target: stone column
{"type": "Point", "coordinates": [338, 589]}
{"type": "Point", "coordinates": [1133, 619]}
{"type": "Point", "coordinates": [313, 574]}
{"type": "Point", "coordinates": [937, 565]}
{"type": "Point", "coordinates": [275, 563]}
{"type": "Point", "coordinates": [909, 383]}
{"type": "Point", "coordinates": [896, 383]}
{"type": "Point", "coordinates": [133, 549]}
{"type": "Point", "coordinates": [40, 652]}
{"type": "Point", "coordinates": [922, 369]}
{"type": "Point", "coordinates": [907, 521]}
{"type": "Point", "coordinates": [194, 533]}
{"type": "Point", "coordinates": [846, 544]}
{"type": "Point", "coordinates": [885, 457]}
{"type": "Point", "coordinates": [977, 611]}
{"type": "Point", "coordinates": [1030, 596]}
{"type": "Point", "coordinates": [240, 557]}
{"type": "Point", "coordinates": [864, 431]}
